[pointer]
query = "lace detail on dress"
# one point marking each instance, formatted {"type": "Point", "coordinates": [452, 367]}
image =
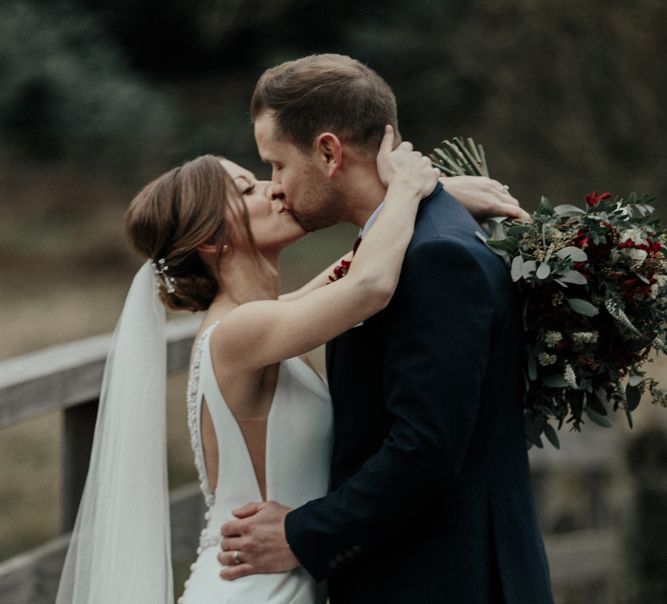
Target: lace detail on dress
{"type": "Point", "coordinates": [193, 418]}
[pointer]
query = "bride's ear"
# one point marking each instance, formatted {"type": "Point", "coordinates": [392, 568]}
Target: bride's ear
{"type": "Point", "coordinates": [209, 249]}
{"type": "Point", "coordinates": [329, 150]}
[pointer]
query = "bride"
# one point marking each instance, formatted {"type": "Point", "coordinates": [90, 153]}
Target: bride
{"type": "Point", "coordinates": [259, 415]}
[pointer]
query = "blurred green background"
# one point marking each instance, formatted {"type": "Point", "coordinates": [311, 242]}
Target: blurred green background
{"type": "Point", "coordinates": [99, 96]}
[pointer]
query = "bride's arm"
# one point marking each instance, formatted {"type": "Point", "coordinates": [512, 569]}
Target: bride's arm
{"type": "Point", "coordinates": [483, 197]}
{"type": "Point", "coordinates": [258, 334]}
{"type": "Point", "coordinates": [319, 281]}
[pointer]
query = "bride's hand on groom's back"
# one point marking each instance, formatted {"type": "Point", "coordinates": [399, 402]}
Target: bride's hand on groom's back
{"type": "Point", "coordinates": [484, 197]}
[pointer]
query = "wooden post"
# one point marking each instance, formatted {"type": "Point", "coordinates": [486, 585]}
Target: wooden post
{"type": "Point", "coordinates": [78, 431]}
{"type": "Point", "coordinates": [647, 462]}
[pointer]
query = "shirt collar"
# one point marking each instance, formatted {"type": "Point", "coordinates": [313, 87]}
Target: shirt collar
{"type": "Point", "coordinates": [370, 221]}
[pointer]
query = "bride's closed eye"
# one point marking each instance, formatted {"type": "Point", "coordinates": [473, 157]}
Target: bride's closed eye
{"type": "Point", "coordinates": [245, 185]}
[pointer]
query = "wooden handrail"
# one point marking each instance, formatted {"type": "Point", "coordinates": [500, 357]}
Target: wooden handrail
{"type": "Point", "coordinates": [68, 378]}
{"type": "Point", "coordinates": [71, 374]}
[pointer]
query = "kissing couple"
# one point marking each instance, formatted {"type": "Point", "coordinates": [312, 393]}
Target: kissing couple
{"type": "Point", "coordinates": [406, 479]}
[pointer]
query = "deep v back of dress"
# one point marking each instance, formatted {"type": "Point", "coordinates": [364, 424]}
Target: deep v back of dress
{"type": "Point", "coordinates": [296, 469]}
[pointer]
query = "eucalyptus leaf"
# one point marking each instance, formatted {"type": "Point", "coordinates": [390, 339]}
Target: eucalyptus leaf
{"type": "Point", "coordinates": [495, 228]}
{"type": "Point", "coordinates": [596, 404]}
{"type": "Point", "coordinates": [574, 277]}
{"type": "Point", "coordinates": [602, 395]}
{"type": "Point", "coordinates": [582, 307]}
{"type": "Point", "coordinates": [506, 245]}
{"type": "Point", "coordinates": [529, 268]}
{"type": "Point", "coordinates": [628, 415]}
{"type": "Point", "coordinates": [574, 253]}
{"type": "Point", "coordinates": [635, 380]}
{"type": "Point", "coordinates": [633, 396]}
{"type": "Point", "coordinates": [543, 271]}
{"type": "Point", "coordinates": [598, 419]}
{"type": "Point", "coordinates": [532, 368]}
{"type": "Point", "coordinates": [555, 380]}
{"type": "Point", "coordinates": [533, 431]}
{"type": "Point", "coordinates": [550, 433]}
{"type": "Point", "coordinates": [517, 230]}
{"type": "Point", "coordinates": [545, 206]}
{"type": "Point", "coordinates": [517, 268]}
{"type": "Point", "coordinates": [566, 210]}
{"type": "Point", "coordinates": [549, 253]}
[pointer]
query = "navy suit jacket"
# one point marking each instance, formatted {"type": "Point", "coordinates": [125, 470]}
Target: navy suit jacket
{"type": "Point", "coordinates": [431, 498]}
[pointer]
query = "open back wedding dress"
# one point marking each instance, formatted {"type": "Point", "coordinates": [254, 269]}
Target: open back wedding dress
{"type": "Point", "coordinates": [120, 548]}
{"type": "Point", "coordinates": [298, 448]}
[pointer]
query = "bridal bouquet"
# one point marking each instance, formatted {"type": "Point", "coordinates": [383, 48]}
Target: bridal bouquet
{"type": "Point", "coordinates": [593, 285]}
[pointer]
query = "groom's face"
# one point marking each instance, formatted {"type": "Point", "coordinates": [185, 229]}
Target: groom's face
{"type": "Point", "coordinates": [298, 177]}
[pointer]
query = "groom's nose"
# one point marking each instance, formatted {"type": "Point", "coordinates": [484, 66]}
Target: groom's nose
{"type": "Point", "coordinates": [275, 191]}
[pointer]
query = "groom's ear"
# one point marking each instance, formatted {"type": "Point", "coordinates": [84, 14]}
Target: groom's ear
{"type": "Point", "coordinates": [329, 151]}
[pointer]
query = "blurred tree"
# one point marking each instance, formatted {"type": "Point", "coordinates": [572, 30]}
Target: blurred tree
{"type": "Point", "coordinates": [67, 94]}
{"type": "Point", "coordinates": [565, 96]}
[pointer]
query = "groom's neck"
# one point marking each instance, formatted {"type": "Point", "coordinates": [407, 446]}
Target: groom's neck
{"type": "Point", "coordinates": [364, 192]}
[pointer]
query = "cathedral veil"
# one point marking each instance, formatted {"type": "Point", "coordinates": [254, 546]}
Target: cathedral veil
{"type": "Point", "coordinates": [120, 550]}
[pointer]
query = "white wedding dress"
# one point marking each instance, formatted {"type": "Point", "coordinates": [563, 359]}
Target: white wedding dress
{"type": "Point", "coordinates": [299, 436]}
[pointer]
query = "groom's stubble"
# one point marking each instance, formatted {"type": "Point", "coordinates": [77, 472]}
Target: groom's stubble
{"type": "Point", "coordinates": [322, 202]}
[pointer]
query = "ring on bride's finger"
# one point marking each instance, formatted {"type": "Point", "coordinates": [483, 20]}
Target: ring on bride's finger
{"type": "Point", "coordinates": [236, 557]}
{"type": "Point", "coordinates": [506, 188]}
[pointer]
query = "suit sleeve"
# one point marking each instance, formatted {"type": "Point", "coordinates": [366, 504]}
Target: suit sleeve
{"type": "Point", "coordinates": [437, 333]}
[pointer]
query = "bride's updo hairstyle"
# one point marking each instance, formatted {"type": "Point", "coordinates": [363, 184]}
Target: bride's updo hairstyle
{"type": "Point", "coordinates": [195, 203]}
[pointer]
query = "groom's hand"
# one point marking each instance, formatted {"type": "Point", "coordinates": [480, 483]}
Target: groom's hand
{"type": "Point", "coordinates": [255, 542]}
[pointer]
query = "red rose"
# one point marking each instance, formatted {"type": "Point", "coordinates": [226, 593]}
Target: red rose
{"type": "Point", "coordinates": [594, 198]}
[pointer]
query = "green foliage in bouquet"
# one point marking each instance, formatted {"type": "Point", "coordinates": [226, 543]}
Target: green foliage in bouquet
{"type": "Point", "coordinates": [593, 285]}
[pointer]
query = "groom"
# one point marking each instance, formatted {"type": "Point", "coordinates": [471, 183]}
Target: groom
{"type": "Point", "coordinates": [430, 497]}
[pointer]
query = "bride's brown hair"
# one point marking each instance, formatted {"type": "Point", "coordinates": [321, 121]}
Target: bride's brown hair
{"type": "Point", "coordinates": [179, 211]}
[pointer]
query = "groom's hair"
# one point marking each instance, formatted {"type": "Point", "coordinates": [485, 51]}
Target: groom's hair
{"type": "Point", "coordinates": [326, 93]}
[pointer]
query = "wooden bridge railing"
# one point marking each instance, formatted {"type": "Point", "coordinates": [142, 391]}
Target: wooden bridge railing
{"type": "Point", "coordinates": [67, 378]}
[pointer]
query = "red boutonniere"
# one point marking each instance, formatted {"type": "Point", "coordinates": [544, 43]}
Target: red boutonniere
{"type": "Point", "coordinates": [340, 270]}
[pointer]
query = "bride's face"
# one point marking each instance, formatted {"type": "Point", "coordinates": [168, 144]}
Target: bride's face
{"type": "Point", "coordinates": [272, 224]}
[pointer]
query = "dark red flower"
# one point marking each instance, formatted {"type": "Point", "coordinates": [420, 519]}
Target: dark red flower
{"type": "Point", "coordinates": [340, 270]}
{"type": "Point", "coordinates": [582, 240]}
{"type": "Point", "coordinates": [649, 246]}
{"type": "Point", "coordinates": [594, 198]}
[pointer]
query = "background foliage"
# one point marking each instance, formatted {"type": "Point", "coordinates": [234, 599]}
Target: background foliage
{"type": "Point", "coordinates": [99, 96]}
{"type": "Point", "coordinates": [566, 95]}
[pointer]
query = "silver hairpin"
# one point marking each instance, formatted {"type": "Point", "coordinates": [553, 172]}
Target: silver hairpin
{"type": "Point", "coordinates": [160, 269]}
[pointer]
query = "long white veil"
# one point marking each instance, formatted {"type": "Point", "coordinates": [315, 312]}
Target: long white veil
{"type": "Point", "coordinates": [120, 552]}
